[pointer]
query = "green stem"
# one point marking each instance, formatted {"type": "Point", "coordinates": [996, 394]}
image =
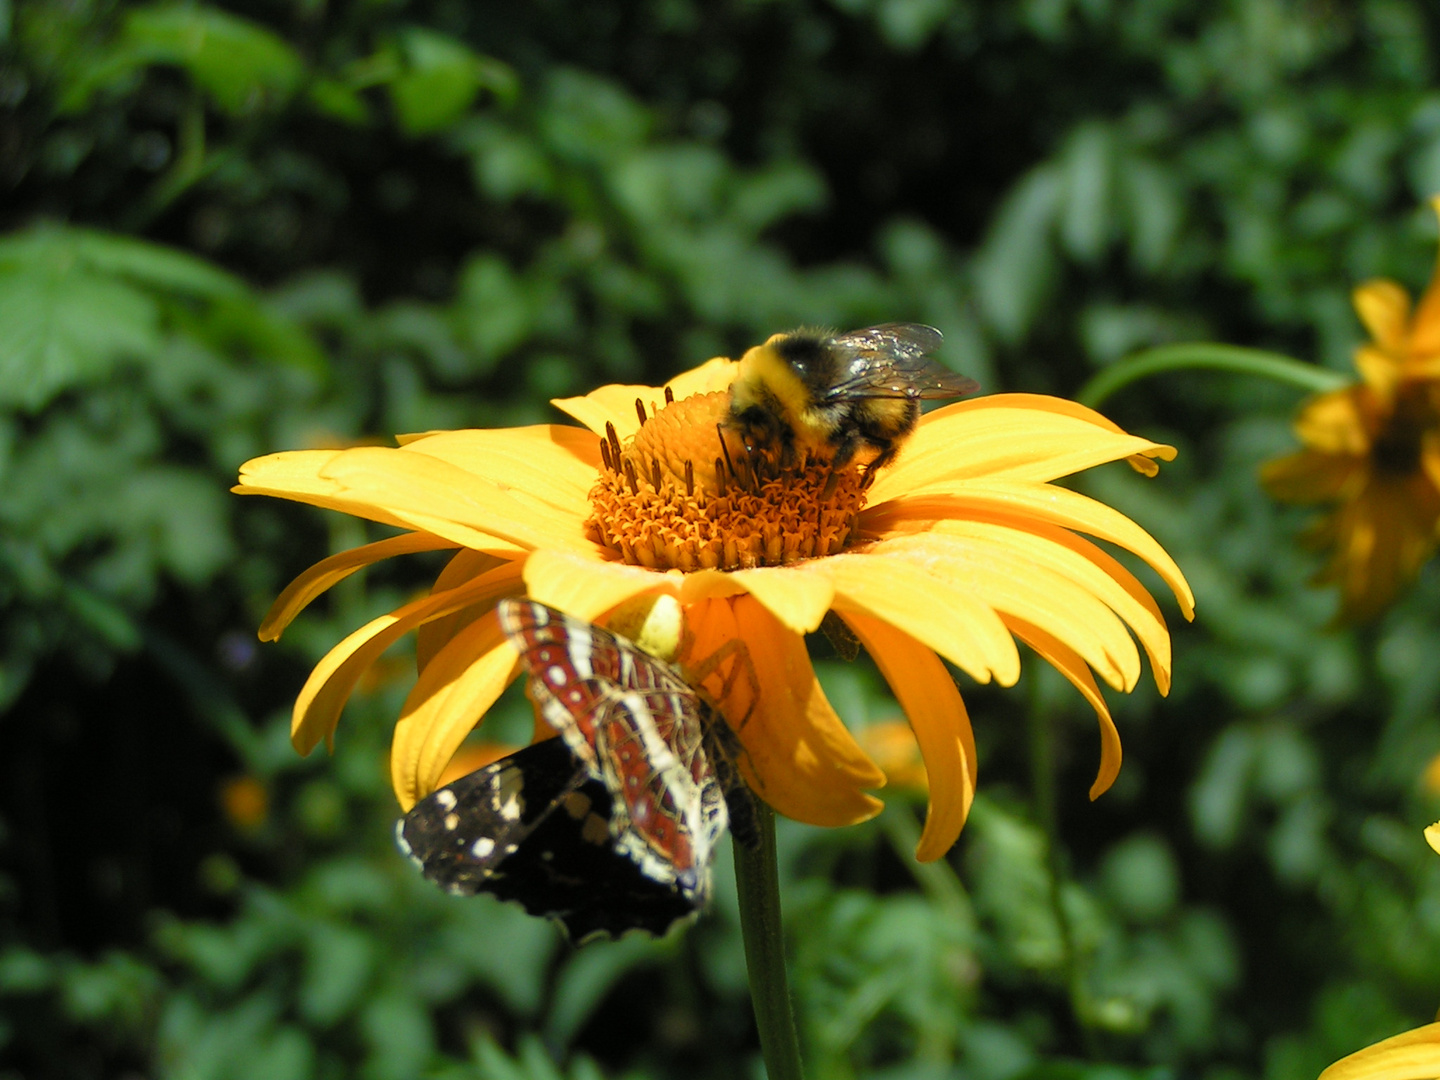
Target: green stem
{"type": "Point", "coordinates": [758, 878]}
{"type": "Point", "coordinates": [937, 879]}
{"type": "Point", "coordinates": [1202, 354]}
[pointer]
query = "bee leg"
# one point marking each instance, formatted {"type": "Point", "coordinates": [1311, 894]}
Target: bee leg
{"type": "Point", "coordinates": [844, 454]}
{"type": "Point", "coordinates": [885, 457]}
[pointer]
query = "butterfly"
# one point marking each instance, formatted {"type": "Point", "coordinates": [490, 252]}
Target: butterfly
{"type": "Point", "coordinates": [614, 825]}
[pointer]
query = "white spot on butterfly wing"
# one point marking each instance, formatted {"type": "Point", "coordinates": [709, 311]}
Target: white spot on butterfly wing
{"type": "Point", "coordinates": [482, 847]}
{"type": "Point", "coordinates": [509, 799]}
{"type": "Point", "coordinates": [578, 647]}
{"type": "Point", "coordinates": [404, 845]}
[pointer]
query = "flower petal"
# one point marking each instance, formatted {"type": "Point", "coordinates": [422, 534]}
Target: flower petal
{"type": "Point", "coordinates": [1078, 559]}
{"type": "Point", "coordinates": [1380, 374]}
{"type": "Point", "coordinates": [937, 609]}
{"type": "Point", "coordinates": [430, 637]}
{"type": "Point", "coordinates": [1334, 422]}
{"type": "Point", "coordinates": [297, 475]}
{"type": "Point", "coordinates": [1022, 574]}
{"type": "Point", "coordinates": [612, 404]}
{"type": "Point", "coordinates": [615, 404]}
{"type": "Point", "coordinates": [587, 587]}
{"type": "Point", "coordinates": [1082, 562]}
{"type": "Point", "coordinates": [1010, 436]}
{"type": "Point", "coordinates": [1380, 539]}
{"type": "Point", "coordinates": [1411, 1055]}
{"type": "Point", "coordinates": [1384, 308]}
{"type": "Point", "coordinates": [708, 585]}
{"type": "Point", "coordinates": [554, 463]}
{"type": "Point", "coordinates": [1024, 502]}
{"type": "Point", "coordinates": [798, 757]}
{"type": "Point", "coordinates": [936, 712]}
{"type": "Point", "coordinates": [716, 373]}
{"type": "Point", "coordinates": [317, 709]}
{"type": "Point", "coordinates": [411, 484]}
{"type": "Point", "coordinates": [1309, 476]}
{"type": "Point", "coordinates": [455, 690]}
{"type": "Point", "coordinates": [796, 595]}
{"type": "Point", "coordinates": [1068, 662]}
{"type": "Point", "coordinates": [1425, 327]}
{"type": "Point", "coordinates": [327, 572]}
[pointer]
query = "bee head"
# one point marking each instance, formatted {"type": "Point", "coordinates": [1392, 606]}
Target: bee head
{"type": "Point", "coordinates": [767, 382]}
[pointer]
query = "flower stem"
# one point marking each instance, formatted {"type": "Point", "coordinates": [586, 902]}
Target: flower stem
{"type": "Point", "coordinates": [1216, 357]}
{"type": "Point", "coordinates": [758, 878]}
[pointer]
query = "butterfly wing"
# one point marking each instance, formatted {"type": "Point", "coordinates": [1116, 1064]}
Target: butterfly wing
{"type": "Point", "coordinates": [637, 725]}
{"type": "Point", "coordinates": [534, 828]}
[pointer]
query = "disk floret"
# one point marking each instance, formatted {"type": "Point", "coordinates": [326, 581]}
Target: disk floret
{"type": "Point", "coordinates": [685, 493]}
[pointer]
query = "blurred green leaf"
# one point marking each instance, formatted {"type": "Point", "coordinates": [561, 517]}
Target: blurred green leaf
{"type": "Point", "coordinates": [1013, 270]}
{"type": "Point", "coordinates": [398, 1033]}
{"type": "Point", "coordinates": [24, 971]}
{"type": "Point", "coordinates": [585, 978]}
{"type": "Point", "coordinates": [62, 326]}
{"type": "Point", "coordinates": [241, 65]}
{"type": "Point", "coordinates": [439, 80]}
{"type": "Point", "coordinates": [338, 963]}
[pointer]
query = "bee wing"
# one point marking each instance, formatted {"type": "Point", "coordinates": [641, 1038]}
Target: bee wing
{"type": "Point", "coordinates": [892, 360]}
{"type": "Point", "coordinates": [892, 339]}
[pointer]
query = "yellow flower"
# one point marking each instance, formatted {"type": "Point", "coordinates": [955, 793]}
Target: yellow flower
{"type": "Point", "coordinates": [1411, 1055]}
{"type": "Point", "coordinates": [1373, 450]}
{"type": "Point", "coordinates": [957, 549]}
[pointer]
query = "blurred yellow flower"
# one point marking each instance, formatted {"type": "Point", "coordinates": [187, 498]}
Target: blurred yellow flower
{"type": "Point", "coordinates": [245, 801]}
{"type": "Point", "coordinates": [1373, 451]}
{"type": "Point", "coordinates": [1430, 778]}
{"type": "Point", "coordinates": [960, 547]}
{"type": "Point", "coordinates": [892, 746]}
{"type": "Point", "coordinates": [1411, 1055]}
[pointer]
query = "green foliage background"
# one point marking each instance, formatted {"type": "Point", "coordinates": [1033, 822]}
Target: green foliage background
{"type": "Point", "coordinates": [234, 229]}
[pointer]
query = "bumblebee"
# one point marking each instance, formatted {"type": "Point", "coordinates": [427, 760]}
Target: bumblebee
{"type": "Point", "coordinates": [819, 392]}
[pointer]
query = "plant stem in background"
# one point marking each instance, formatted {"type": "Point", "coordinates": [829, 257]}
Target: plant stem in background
{"type": "Point", "coordinates": [758, 878]}
{"type": "Point", "coordinates": [1209, 355]}
{"type": "Point", "coordinates": [937, 879]}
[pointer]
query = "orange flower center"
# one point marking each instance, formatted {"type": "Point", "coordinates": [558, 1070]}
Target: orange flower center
{"type": "Point", "coordinates": [684, 493]}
